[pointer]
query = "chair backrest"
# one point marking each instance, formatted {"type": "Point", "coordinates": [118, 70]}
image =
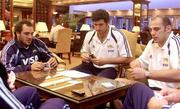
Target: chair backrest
{"type": "Point", "coordinates": [63, 44]}
{"type": "Point", "coordinates": [132, 39]}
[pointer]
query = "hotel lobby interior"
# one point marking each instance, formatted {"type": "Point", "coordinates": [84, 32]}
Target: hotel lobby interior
{"type": "Point", "coordinates": [131, 16]}
{"type": "Point", "coordinates": [74, 13]}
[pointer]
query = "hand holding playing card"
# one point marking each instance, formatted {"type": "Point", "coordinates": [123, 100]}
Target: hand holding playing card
{"type": "Point", "coordinates": [11, 80]}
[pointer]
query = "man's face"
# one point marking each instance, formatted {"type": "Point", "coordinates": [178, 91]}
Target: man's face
{"type": "Point", "coordinates": [158, 31]}
{"type": "Point", "coordinates": [25, 37]}
{"type": "Point", "coordinates": [100, 26]}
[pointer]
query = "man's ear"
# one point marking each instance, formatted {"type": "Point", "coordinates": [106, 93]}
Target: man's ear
{"type": "Point", "coordinates": [17, 33]}
{"type": "Point", "coordinates": [168, 28]}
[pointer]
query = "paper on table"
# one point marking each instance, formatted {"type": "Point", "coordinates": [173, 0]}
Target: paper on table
{"type": "Point", "coordinates": [70, 84]}
{"type": "Point", "coordinates": [107, 85]}
{"type": "Point", "coordinates": [45, 84]}
{"type": "Point", "coordinates": [73, 74]}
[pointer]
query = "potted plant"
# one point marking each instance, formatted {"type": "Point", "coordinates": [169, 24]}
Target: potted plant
{"type": "Point", "coordinates": [70, 20]}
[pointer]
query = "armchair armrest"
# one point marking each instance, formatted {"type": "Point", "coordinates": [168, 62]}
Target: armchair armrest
{"type": "Point", "coordinates": [60, 61]}
{"type": "Point", "coordinates": [122, 69]}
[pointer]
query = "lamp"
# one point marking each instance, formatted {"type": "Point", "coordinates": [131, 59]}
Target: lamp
{"type": "Point", "coordinates": [85, 27]}
{"type": "Point", "coordinates": [83, 30]}
{"type": "Point", "coordinates": [136, 29]}
{"type": "Point", "coordinates": [2, 27]}
{"type": "Point", "coordinates": [41, 27]}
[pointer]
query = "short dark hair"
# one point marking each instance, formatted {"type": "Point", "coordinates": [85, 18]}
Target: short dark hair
{"type": "Point", "coordinates": [19, 25]}
{"type": "Point", "coordinates": [100, 14]}
{"type": "Point", "coordinates": [165, 20]}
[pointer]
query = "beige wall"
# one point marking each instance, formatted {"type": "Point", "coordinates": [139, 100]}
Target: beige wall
{"type": "Point", "coordinates": [168, 12]}
{"type": "Point", "coordinates": [173, 13]}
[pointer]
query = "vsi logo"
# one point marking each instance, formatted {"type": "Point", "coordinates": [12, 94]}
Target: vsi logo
{"type": "Point", "coordinates": [30, 60]}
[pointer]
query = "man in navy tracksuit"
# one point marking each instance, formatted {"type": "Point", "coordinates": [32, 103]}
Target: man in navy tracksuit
{"type": "Point", "coordinates": [26, 52]}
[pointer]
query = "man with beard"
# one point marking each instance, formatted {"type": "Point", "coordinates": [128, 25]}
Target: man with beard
{"type": "Point", "coordinates": [26, 52]}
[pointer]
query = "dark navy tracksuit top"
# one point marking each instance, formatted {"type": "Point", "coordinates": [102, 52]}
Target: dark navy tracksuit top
{"type": "Point", "coordinates": [17, 58]}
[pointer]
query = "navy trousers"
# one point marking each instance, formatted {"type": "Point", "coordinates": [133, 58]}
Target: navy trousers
{"type": "Point", "coordinates": [29, 97]}
{"type": "Point", "coordinates": [90, 69]}
{"type": "Point", "coordinates": [137, 97]}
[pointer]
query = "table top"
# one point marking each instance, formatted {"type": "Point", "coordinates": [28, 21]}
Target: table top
{"type": "Point", "coordinates": [62, 86]}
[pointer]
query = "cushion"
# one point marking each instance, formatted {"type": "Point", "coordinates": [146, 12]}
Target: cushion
{"type": "Point", "coordinates": [132, 39]}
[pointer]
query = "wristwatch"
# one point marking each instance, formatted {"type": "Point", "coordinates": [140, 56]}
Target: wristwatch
{"type": "Point", "coordinates": [147, 74]}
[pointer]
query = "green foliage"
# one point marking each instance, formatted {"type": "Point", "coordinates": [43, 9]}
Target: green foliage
{"type": "Point", "coordinates": [71, 19]}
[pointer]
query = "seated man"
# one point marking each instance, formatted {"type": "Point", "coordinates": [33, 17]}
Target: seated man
{"type": "Point", "coordinates": [103, 48]}
{"type": "Point", "coordinates": [54, 32]}
{"type": "Point", "coordinates": [26, 52]}
{"type": "Point", "coordinates": [24, 97]}
{"type": "Point", "coordinates": [161, 59]}
{"type": "Point", "coordinates": [139, 96]}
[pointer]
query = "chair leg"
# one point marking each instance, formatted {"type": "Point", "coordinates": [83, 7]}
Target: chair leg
{"type": "Point", "coordinates": [72, 53]}
{"type": "Point", "coordinates": [69, 57]}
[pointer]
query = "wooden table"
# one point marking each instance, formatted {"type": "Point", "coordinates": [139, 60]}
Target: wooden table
{"type": "Point", "coordinates": [95, 93]}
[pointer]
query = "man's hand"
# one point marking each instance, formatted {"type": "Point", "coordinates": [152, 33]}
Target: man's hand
{"type": "Point", "coordinates": [85, 57]}
{"type": "Point", "coordinates": [135, 63]}
{"type": "Point", "coordinates": [138, 73]}
{"type": "Point", "coordinates": [156, 103]}
{"type": "Point", "coordinates": [98, 61]}
{"type": "Point", "coordinates": [52, 62]}
{"type": "Point", "coordinates": [37, 66]}
{"type": "Point", "coordinates": [171, 95]}
{"type": "Point", "coordinates": [11, 80]}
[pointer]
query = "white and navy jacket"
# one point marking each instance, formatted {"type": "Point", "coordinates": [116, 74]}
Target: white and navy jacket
{"type": "Point", "coordinates": [9, 98]}
{"type": "Point", "coordinates": [17, 58]}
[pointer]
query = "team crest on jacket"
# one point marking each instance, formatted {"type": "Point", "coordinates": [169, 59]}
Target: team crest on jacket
{"type": "Point", "coordinates": [34, 51]}
{"type": "Point", "coordinates": [110, 46]}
